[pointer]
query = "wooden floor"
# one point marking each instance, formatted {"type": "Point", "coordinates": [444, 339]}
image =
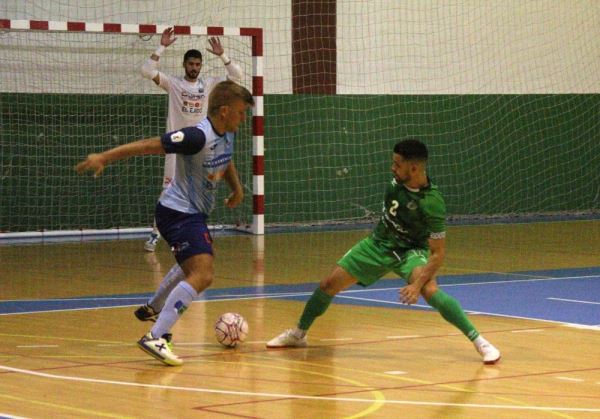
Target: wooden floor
{"type": "Point", "coordinates": [362, 361]}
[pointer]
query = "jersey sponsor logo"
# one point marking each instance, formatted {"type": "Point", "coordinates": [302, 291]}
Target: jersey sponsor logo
{"type": "Point", "coordinates": [218, 161]}
{"type": "Point", "coordinates": [193, 96]}
{"type": "Point", "coordinates": [188, 109]}
{"type": "Point", "coordinates": [177, 137]}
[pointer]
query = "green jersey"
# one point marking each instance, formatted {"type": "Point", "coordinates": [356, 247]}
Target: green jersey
{"type": "Point", "coordinates": [410, 217]}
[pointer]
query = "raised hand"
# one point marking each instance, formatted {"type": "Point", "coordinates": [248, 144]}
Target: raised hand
{"type": "Point", "coordinates": [168, 37]}
{"type": "Point", "coordinates": [215, 46]}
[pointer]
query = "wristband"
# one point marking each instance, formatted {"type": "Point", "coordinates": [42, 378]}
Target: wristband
{"type": "Point", "coordinates": [226, 60]}
{"type": "Point", "coordinates": [159, 50]}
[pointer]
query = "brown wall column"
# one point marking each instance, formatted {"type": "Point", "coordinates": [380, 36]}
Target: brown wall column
{"type": "Point", "coordinates": [313, 46]}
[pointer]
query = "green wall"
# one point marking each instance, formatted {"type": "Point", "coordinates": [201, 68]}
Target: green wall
{"type": "Point", "coordinates": [326, 157]}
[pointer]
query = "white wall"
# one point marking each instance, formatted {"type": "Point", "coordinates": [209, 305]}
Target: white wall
{"type": "Point", "coordinates": [468, 46]}
{"type": "Point", "coordinates": [274, 18]}
{"type": "Point", "coordinates": [384, 46]}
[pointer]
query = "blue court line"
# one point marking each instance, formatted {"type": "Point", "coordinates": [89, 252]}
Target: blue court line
{"type": "Point", "coordinates": [550, 295]}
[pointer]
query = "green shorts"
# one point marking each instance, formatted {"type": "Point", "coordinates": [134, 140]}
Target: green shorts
{"type": "Point", "coordinates": [368, 262]}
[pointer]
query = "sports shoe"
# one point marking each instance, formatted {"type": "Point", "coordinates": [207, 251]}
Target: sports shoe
{"type": "Point", "coordinates": [159, 348]}
{"type": "Point", "coordinates": [488, 352]}
{"type": "Point", "coordinates": [287, 340]}
{"type": "Point", "coordinates": [146, 313]}
{"type": "Point", "coordinates": [150, 245]}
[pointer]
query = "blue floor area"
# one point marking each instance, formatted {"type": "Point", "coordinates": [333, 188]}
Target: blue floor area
{"type": "Point", "coordinates": [566, 295]}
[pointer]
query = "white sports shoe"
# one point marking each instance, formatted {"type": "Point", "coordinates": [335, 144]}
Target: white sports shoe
{"type": "Point", "coordinates": [488, 352]}
{"type": "Point", "coordinates": [159, 348]}
{"type": "Point", "coordinates": [150, 245]}
{"type": "Point", "coordinates": [287, 340]}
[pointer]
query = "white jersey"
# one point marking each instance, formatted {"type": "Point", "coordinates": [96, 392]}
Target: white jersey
{"type": "Point", "coordinates": [188, 101]}
{"type": "Point", "coordinates": [202, 156]}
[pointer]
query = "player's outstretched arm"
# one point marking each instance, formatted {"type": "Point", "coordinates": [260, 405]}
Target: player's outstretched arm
{"type": "Point", "coordinates": [149, 68]}
{"type": "Point", "coordinates": [96, 162]}
{"type": "Point", "coordinates": [233, 181]}
{"type": "Point", "coordinates": [234, 71]}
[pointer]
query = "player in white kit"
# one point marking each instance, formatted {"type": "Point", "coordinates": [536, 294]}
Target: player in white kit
{"type": "Point", "coordinates": [188, 96]}
{"type": "Point", "coordinates": [204, 157]}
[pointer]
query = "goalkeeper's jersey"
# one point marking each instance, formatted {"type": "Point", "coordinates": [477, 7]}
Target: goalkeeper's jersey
{"type": "Point", "coordinates": [188, 101]}
{"type": "Point", "coordinates": [410, 218]}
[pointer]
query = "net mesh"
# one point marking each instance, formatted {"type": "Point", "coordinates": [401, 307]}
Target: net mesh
{"type": "Point", "coordinates": [505, 93]}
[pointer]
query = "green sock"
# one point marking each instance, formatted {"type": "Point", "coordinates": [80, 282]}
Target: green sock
{"type": "Point", "coordinates": [316, 305]}
{"type": "Point", "coordinates": [453, 313]}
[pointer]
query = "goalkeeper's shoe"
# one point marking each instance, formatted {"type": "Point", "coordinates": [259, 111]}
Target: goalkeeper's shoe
{"type": "Point", "coordinates": [146, 313]}
{"type": "Point", "coordinates": [150, 245]}
{"type": "Point", "coordinates": [159, 348]}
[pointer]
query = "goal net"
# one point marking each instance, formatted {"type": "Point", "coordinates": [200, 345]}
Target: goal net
{"type": "Point", "coordinates": [505, 93]}
{"type": "Point", "coordinates": [69, 89]}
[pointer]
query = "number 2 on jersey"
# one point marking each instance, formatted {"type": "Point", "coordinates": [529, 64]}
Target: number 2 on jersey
{"type": "Point", "coordinates": [394, 207]}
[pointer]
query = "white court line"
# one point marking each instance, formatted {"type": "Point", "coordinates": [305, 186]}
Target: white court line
{"type": "Point", "coordinates": [572, 301]}
{"type": "Point", "coordinates": [578, 380]}
{"type": "Point", "coordinates": [237, 297]}
{"type": "Point", "coordinates": [582, 326]}
{"type": "Point", "coordinates": [51, 300]}
{"type": "Point", "coordinates": [37, 346]}
{"type": "Point", "coordinates": [297, 396]}
{"type": "Point", "coordinates": [253, 297]}
{"type": "Point", "coordinates": [374, 300]}
{"type": "Point", "coordinates": [335, 340]}
{"type": "Point", "coordinates": [403, 337]}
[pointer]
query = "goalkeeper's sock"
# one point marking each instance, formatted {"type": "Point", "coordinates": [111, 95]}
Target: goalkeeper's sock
{"type": "Point", "coordinates": [453, 313]}
{"type": "Point", "coordinates": [316, 305]}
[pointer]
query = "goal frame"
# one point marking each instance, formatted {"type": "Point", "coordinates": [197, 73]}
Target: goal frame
{"type": "Point", "coordinates": [256, 35]}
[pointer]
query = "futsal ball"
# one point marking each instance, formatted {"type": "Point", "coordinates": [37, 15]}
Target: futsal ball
{"type": "Point", "coordinates": [231, 329]}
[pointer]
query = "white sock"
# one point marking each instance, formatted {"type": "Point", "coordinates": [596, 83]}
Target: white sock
{"type": "Point", "coordinates": [178, 301]}
{"type": "Point", "coordinates": [171, 279]}
{"type": "Point", "coordinates": [299, 333]}
{"type": "Point", "coordinates": [480, 340]}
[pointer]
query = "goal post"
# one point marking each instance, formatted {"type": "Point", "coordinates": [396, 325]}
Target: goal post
{"type": "Point", "coordinates": [71, 88]}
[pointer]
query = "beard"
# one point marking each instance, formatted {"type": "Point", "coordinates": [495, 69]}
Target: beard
{"type": "Point", "coordinates": [192, 74]}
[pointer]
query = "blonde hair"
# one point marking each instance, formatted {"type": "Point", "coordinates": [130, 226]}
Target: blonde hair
{"type": "Point", "coordinates": [225, 93]}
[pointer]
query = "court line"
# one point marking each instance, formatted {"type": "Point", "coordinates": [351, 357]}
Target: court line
{"type": "Point", "coordinates": [63, 407]}
{"type": "Point", "coordinates": [572, 301]}
{"type": "Point", "coordinates": [297, 396]}
{"type": "Point", "coordinates": [378, 397]}
{"type": "Point", "coordinates": [510, 316]}
{"type": "Point", "coordinates": [241, 297]}
{"type": "Point", "coordinates": [293, 293]}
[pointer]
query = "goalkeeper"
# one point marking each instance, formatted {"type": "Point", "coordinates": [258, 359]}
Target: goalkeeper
{"type": "Point", "coordinates": [188, 96]}
{"type": "Point", "coordinates": [408, 240]}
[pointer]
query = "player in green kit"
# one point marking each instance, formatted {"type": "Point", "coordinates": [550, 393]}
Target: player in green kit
{"type": "Point", "coordinates": [410, 240]}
